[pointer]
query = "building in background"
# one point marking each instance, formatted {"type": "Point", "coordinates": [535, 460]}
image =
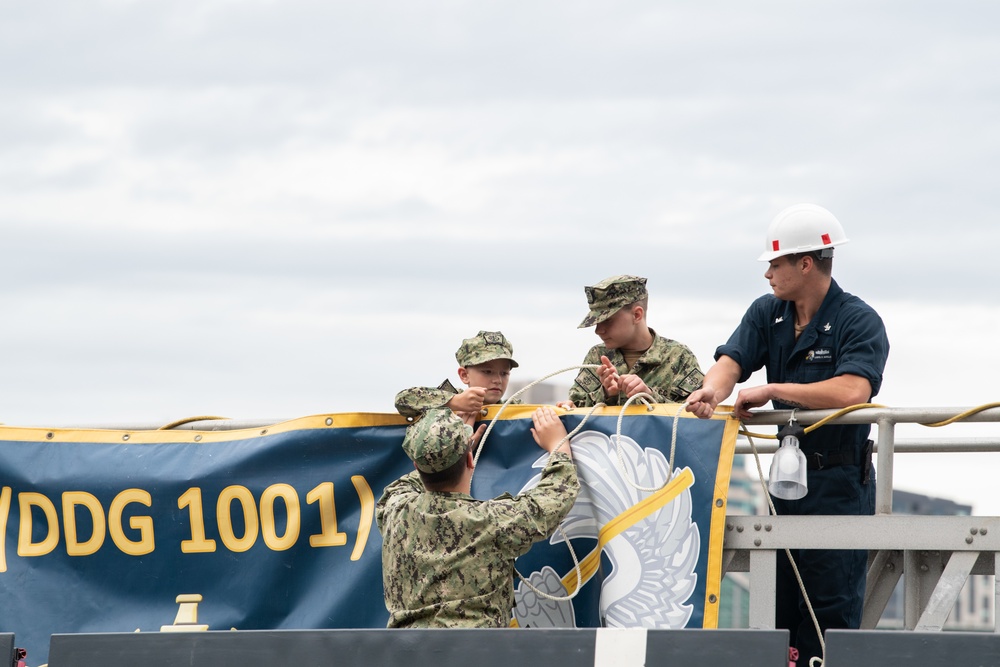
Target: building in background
{"type": "Point", "coordinates": [543, 393]}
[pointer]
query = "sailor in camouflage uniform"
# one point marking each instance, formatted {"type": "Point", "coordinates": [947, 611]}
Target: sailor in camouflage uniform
{"type": "Point", "coordinates": [634, 357]}
{"type": "Point", "coordinates": [447, 558]}
{"type": "Point", "coordinates": [484, 361]}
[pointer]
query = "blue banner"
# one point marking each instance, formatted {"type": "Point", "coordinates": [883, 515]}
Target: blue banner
{"type": "Point", "coordinates": [274, 528]}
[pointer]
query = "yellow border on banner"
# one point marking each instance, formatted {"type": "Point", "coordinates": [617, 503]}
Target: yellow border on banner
{"type": "Point", "coordinates": [717, 526]}
{"type": "Point", "coordinates": [153, 436]}
{"type": "Point", "coordinates": [321, 421]}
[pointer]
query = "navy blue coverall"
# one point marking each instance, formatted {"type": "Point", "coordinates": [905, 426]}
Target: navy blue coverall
{"type": "Point", "coordinates": [845, 337]}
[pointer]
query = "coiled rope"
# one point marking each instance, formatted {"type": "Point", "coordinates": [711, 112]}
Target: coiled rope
{"type": "Point", "coordinates": [961, 416]}
{"type": "Point", "coordinates": [188, 420]}
{"type": "Point", "coordinates": [641, 396]}
{"type": "Point", "coordinates": [821, 422]}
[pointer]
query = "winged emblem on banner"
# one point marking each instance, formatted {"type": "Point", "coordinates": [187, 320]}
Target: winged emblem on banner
{"type": "Point", "coordinates": [649, 538]}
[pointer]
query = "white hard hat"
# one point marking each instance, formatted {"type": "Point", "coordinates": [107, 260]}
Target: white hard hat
{"type": "Point", "coordinates": [802, 228]}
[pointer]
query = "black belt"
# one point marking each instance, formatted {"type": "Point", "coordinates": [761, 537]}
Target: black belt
{"type": "Point", "coordinates": [843, 457]}
{"type": "Point", "coordinates": [821, 460]}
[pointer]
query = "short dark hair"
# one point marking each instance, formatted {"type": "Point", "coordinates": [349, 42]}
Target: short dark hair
{"type": "Point", "coordinates": [443, 479]}
{"type": "Point", "coordinates": [824, 264]}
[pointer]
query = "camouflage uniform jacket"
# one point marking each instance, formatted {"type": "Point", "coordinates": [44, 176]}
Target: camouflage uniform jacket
{"type": "Point", "coordinates": [414, 401]}
{"type": "Point", "coordinates": [668, 368]}
{"type": "Point", "coordinates": [448, 559]}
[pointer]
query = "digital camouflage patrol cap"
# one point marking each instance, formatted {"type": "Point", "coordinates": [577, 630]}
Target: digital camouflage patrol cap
{"type": "Point", "coordinates": [611, 295]}
{"type": "Point", "coordinates": [485, 346]}
{"type": "Point", "coordinates": [437, 440]}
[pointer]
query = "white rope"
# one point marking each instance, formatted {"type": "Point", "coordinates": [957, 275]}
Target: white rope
{"type": "Point", "coordinates": [618, 448]}
{"type": "Point", "coordinates": [482, 441]}
{"type": "Point", "coordinates": [814, 661]}
{"type": "Point", "coordinates": [673, 444]}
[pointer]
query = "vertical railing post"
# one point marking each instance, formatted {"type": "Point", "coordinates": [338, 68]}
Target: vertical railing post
{"type": "Point", "coordinates": [763, 580]}
{"type": "Point", "coordinates": [883, 476]}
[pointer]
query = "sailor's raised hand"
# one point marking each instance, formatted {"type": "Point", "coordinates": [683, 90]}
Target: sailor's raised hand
{"type": "Point", "coordinates": [701, 403]}
{"type": "Point", "coordinates": [632, 385]}
{"type": "Point", "coordinates": [470, 400]}
{"type": "Point", "coordinates": [548, 430]}
{"type": "Point", "coordinates": [609, 377]}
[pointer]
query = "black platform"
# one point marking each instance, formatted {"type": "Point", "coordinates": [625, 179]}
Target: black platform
{"type": "Point", "coordinates": [413, 648]}
{"type": "Point", "coordinates": [884, 648]}
{"type": "Point", "coordinates": [6, 648]}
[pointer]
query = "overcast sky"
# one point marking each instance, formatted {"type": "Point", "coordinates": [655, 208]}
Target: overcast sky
{"type": "Point", "coordinates": [274, 209]}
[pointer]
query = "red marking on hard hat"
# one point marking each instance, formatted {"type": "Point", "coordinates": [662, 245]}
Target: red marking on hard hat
{"type": "Point", "coordinates": [774, 245]}
{"type": "Point", "coordinates": [826, 239]}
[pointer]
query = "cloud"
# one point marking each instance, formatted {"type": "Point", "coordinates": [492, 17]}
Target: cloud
{"type": "Point", "coordinates": [296, 206]}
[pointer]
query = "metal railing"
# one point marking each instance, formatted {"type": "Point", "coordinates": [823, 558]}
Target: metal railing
{"type": "Point", "coordinates": [934, 555]}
